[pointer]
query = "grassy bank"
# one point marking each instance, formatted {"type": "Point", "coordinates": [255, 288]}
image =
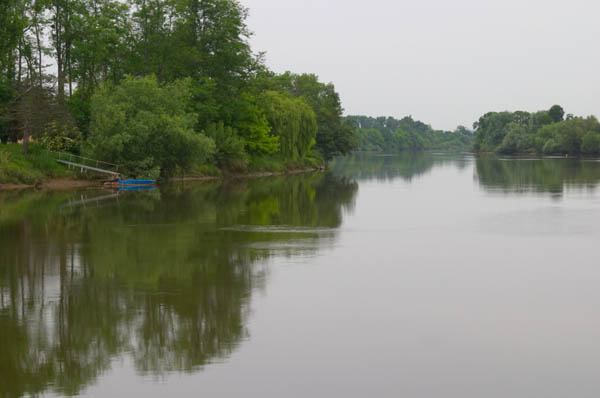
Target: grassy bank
{"type": "Point", "coordinates": [31, 169]}
{"type": "Point", "coordinates": [38, 167]}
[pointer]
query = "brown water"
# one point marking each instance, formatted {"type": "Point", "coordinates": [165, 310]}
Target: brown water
{"type": "Point", "coordinates": [427, 275]}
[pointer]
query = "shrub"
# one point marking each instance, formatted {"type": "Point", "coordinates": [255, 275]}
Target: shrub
{"type": "Point", "coordinates": [550, 147]}
{"type": "Point", "coordinates": [146, 128]}
{"type": "Point", "coordinates": [61, 138]}
{"type": "Point", "coordinates": [590, 144]}
{"type": "Point", "coordinates": [230, 153]}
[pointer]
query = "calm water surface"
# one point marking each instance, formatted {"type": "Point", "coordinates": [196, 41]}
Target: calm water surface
{"type": "Point", "coordinates": [428, 275]}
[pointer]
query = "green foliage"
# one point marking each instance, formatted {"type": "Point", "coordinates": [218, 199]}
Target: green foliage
{"type": "Point", "coordinates": [146, 128]}
{"type": "Point", "coordinates": [550, 147]}
{"type": "Point", "coordinates": [516, 140]}
{"type": "Point", "coordinates": [229, 152]}
{"type": "Point", "coordinates": [61, 138]}
{"type": "Point", "coordinates": [557, 113]}
{"type": "Point", "coordinates": [293, 121]}
{"type": "Point", "coordinates": [591, 143]}
{"type": "Point", "coordinates": [12, 26]}
{"type": "Point", "coordinates": [492, 128]}
{"type": "Point", "coordinates": [386, 134]}
{"type": "Point", "coordinates": [30, 169]}
{"type": "Point", "coordinates": [542, 132]}
{"type": "Point", "coordinates": [254, 127]}
{"type": "Point", "coordinates": [567, 137]}
{"type": "Point", "coordinates": [94, 45]}
{"type": "Point", "coordinates": [334, 136]}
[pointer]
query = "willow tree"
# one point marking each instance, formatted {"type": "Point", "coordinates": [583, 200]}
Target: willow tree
{"type": "Point", "coordinates": [293, 121]}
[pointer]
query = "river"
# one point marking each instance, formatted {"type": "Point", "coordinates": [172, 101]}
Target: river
{"type": "Point", "coordinates": [415, 275]}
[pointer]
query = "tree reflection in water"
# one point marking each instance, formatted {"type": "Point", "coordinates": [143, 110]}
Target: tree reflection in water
{"type": "Point", "coordinates": [164, 276]}
{"type": "Point", "coordinates": [403, 165]}
{"type": "Point", "coordinates": [536, 175]}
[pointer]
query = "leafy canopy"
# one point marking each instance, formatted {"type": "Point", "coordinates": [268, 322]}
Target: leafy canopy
{"type": "Point", "coordinates": [146, 127]}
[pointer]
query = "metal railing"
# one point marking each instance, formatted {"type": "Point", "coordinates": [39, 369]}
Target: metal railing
{"type": "Point", "coordinates": [81, 160]}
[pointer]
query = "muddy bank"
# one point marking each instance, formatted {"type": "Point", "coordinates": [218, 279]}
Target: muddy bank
{"type": "Point", "coordinates": [66, 183]}
{"type": "Point", "coordinates": [54, 184]}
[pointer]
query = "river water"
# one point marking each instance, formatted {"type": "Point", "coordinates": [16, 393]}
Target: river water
{"type": "Point", "coordinates": [414, 275]}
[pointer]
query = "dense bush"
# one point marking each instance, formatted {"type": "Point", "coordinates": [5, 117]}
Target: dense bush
{"type": "Point", "coordinates": [146, 128]}
{"type": "Point", "coordinates": [230, 153]}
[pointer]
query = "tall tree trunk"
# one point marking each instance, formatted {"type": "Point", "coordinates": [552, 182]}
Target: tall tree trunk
{"type": "Point", "coordinates": [40, 59]}
{"type": "Point", "coordinates": [58, 28]}
{"type": "Point", "coordinates": [26, 135]}
{"type": "Point", "coordinates": [68, 45]}
{"type": "Point", "coordinates": [70, 76]}
{"type": "Point", "coordinates": [20, 66]}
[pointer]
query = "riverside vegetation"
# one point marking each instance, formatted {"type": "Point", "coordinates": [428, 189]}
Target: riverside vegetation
{"type": "Point", "coordinates": [543, 132]}
{"type": "Point", "coordinates": [167, 88]}
{"type": "Point", "coordinates": [386, 134]}
{"type": "Point", "coordinates": [159, 87]}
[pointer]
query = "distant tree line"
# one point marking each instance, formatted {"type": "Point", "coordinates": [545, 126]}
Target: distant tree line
{"type": "Point", "coordinates": [157, 85]}
{"type": "Point", "coordinates": [386, 134]}
{"type": "Point", "coordinates": [543, 132]}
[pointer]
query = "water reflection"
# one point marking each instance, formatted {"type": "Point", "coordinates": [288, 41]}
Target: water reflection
{"type": "Point", "coordinates": [536, 175]}
{"type": "Point", "coordinates": [405, 165]}
{"type": "Point", "coordinates": [163, 276]}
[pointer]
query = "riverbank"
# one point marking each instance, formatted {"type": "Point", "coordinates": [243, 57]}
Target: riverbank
{"type": "Point", "coordinates": [34, 169]}
{"type": "Point", "coordinates": [65, 183]}
{"type": "Point", "coordinates": [57, 184]}
{"type": "Point", "coordinates": [39, 170]}
{"type": "Point", "coordinates": [54, 185]}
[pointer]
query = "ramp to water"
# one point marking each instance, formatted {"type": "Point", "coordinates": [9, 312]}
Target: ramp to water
{"type": "Point", "coordinates": [83, 166]}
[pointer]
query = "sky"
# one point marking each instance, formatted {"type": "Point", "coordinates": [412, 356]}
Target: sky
{"type": "Point", "coordinates": [444, 62]}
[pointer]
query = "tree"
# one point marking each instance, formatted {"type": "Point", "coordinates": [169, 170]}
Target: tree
{"type": "Point", "coordinates": [568, 136]}
{"type": "Point", "coordinates": [146, 128]}
{"type": "Point", "coordinates": [557, 113]}
{"type": "Point", "coordinates": [229, 146]}
{"type": "Point", "coordinates": [590, 144]}
{"type": "Point", "coordinates": [293, 121]}
{"type": "Point", "coordinates": [254, 127]}
{"type": "Point", "coordinates": [333, 136]}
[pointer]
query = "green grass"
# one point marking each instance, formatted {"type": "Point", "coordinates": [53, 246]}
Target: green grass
{"type": "Point", "coordinates": [33, 168]}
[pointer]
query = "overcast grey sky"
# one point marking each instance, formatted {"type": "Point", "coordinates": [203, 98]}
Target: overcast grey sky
{"type": "Point", "coordinates": [445, 62]}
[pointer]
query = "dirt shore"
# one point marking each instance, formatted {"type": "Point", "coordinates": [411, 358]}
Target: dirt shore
{"type": "Point", "coordinates": [65, 183]}
{"type": "Point", "coordinates": [55, 185]}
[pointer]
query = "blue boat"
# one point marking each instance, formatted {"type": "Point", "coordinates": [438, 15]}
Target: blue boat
{"type": "Point", "coordinates": [131, 183]}
{"type": "Point", "coordinates": [137, 182]}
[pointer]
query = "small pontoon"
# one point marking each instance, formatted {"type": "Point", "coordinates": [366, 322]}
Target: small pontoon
{"type": "Point", "coordinates": [120, 183]}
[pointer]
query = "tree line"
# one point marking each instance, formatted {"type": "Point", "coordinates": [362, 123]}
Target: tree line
{"type": "Point", "coordinates": [158, 86]}
{"type": "Point", "coordinates": [387, 134]}
{"type": "Point", "coordinates": [547, 132]}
